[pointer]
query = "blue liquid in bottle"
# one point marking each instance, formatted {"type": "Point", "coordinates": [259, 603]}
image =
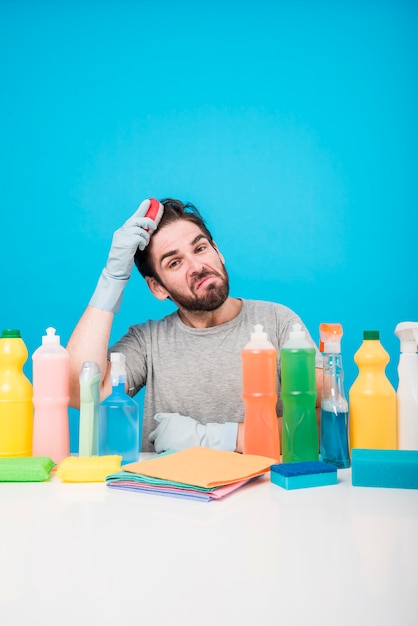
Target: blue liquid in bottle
{"type": "Point", "coordinates": [120, 422]}
{"type": "Point", "coordinates": [334, 444]}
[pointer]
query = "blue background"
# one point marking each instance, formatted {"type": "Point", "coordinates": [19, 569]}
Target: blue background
{"type": "Point", "coordinates": [292, 126]}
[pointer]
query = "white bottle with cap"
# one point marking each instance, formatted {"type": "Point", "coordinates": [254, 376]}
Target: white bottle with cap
{"type": "Point", "coordinates": [51, 396]}
{"type": "Point", "coordinates": [407, 392]}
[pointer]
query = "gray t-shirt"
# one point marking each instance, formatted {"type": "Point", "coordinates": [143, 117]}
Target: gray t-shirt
{"type": "Point", "coordinates": [198, 371]}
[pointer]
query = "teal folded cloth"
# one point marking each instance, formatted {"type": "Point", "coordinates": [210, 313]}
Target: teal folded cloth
{"type": "Point", "coordinates": [25, 469]}
{"type": "Point", "coordinates": [122, 476]}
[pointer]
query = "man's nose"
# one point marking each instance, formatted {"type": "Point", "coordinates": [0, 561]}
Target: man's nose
{"type": "Point", "coordinates": [195, 265]}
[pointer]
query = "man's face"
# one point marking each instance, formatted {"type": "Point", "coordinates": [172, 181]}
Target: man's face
{"type": "Point", "coordinates": [190, 269]}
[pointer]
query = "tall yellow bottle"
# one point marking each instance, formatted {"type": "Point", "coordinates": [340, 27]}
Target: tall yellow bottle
{"type": "Point", "coordinates": [372, 399]}
{"type": "Point", "coordinates": [16, 407]}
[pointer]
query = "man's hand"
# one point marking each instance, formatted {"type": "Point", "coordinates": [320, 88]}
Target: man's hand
{"type": "Point", "coordinates": [178, 432]}
{"type": "Point", "coordinates": [134, 234]}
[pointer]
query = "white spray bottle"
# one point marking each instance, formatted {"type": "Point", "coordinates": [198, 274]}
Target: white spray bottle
{"type": "Point", "coordinates": [89, 409]}
{"type": "Point", "coordinates": [407, 392]}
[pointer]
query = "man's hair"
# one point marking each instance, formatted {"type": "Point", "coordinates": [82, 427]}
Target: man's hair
{"type": "Point", "coordinates": [174, 210]}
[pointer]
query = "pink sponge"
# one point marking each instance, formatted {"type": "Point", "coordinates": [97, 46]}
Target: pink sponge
{"type": "Point", "coordinates": [155, 211]}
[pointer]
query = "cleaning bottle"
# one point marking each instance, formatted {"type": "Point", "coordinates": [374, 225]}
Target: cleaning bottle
{"type": "Point", "coordinates": [300, 440]}
{"type": "Point", "coordinates": [51, 397]}
{"type": "Point", "coordinates": [407, 392]}
{"type": "Point", "coordinates": [372, 398]}
{"type": "Point", "coordinates": [334, 447]}
{"type": "Point", "coordinates": [120, 423]}
{"type": "Point", "coordinates": [89, 409]}
{"type": "Point", "coordinates": [16, 408]}
{"type": "Point", "coordinates": [261, 426]}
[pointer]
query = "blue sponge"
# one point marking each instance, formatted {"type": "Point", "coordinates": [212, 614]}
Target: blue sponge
{"type": "Point", "coordinates": [303, 474]}
{"type": "Point", "coordinates": [384, 468]}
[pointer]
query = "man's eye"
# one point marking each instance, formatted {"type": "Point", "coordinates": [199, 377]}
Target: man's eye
{"type": "Point", "coordinates": [172, 265]}
{"type": "Point", "coordinates": [201, 249]}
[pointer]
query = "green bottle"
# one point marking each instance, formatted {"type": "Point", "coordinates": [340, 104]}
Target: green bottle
{"type": "Point", "coordinates": [300, 440]}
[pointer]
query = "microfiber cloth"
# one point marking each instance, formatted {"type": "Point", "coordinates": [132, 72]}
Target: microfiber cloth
{"type": "Point", "coordinates": [25, 469]}
{"type": "Point", "coordinates": [88, 469]}
{"type": "Point", "coordinates": [203, 467]}
{"type": "Point", "coordinates": [149, 481]}
{"type": "Point", "coordinates": [196, 473]}
{"type": "Point", "coordinates": [177, 492]}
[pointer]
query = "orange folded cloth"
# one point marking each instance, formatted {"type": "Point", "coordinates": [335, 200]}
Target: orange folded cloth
{"type": "Point", "coordinates": [203, 467]}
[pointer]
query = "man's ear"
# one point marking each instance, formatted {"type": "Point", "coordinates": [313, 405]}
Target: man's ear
{"type": "Point", "coordinates": [219, 254]}
{"type": "Point", "coordinates": [156, 288]}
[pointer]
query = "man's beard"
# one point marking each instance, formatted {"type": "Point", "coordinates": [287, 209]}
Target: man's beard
{"type": "Point", "coordinates": [212, 299]}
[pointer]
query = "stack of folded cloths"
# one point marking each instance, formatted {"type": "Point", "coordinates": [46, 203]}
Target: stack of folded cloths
{"type": "Point", "coordinates": [196, 473]}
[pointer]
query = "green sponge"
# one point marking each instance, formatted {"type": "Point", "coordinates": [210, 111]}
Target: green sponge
{"type": "Point", "coordinates": [384, 468]}
{"type": "Point", "coordinates": [25, 469]}
{"type": "Point", "coordinates": [303, 474]}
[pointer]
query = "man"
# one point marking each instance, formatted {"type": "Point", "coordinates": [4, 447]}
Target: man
{"type": "Point", "coordinates": [189, 361]}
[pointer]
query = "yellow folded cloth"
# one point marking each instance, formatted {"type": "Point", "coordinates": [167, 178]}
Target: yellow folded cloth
{"type": "Point", "coordinates": [88, 469]}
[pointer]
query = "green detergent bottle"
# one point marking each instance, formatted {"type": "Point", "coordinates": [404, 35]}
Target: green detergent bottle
{"type": "Point", "coordinates": [300, 440]}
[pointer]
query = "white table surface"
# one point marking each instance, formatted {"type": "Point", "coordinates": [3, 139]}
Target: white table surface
{"type": "Point", "coordinates": [87, 554]}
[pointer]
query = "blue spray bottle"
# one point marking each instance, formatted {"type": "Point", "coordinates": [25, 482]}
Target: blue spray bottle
{"type": "Point", "coordinates": [334, 447]}
{"type": "Point", "coordinates": [120, 423]}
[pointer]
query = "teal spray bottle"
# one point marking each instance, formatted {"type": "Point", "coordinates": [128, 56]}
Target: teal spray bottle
{"type": "Point", "coordinates": [120, 422]}
{"type": "Point", "coordinates": [334, 448]}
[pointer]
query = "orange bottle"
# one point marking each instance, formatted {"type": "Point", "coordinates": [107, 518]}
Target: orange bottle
{"type": "Point", "coordinates": [372, 399]}
{"type": "Point", "coordinates": [259, 370]}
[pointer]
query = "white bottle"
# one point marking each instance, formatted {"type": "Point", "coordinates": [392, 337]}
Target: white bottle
{"type": "Point", "coordinates": [51, 396]}
{"type": "Point", "coordinates": [89, 409]}
{"type": "Point", "coordinates": [407, 392]}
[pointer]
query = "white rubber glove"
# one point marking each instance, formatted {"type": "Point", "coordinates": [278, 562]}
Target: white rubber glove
{"type": "Point", "coordinates": [178, 432]}
{"type": "Point", "coordinates": [134, 234]}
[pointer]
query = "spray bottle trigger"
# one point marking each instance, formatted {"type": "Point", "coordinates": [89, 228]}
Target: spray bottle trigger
{"type": "Point", "coordinates": [330, 336]}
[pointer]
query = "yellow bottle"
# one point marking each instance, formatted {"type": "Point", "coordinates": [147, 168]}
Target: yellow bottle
{"type": "Point", "coordinates": [372, 399]}
{"type": "Point", "coordinates": [16, 407]}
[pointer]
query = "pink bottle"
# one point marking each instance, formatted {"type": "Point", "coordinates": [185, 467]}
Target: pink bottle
{"type": "Point", "coordinates": [51, 396]}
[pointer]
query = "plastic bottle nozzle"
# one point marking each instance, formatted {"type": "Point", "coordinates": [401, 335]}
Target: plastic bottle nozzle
{"type": "Point", "coordinates": [330, 338]}
{"type": "Point", "coordinates": [50, 336]}
{"type": "Point", "coordinates": [258, 332]}
{"type": "Point", "coordinates": [89, 369]}
{"type": "Point", "coordinates": [297, 332]}
{"type": "Point", "coordinates": [117, 371]}
{"type": "Point", "coordinates": [407, 332]}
